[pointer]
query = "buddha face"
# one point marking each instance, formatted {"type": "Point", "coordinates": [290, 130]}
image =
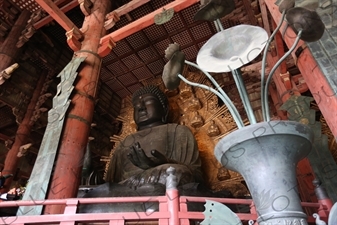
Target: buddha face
{"type": "Point", "coordinates": [148, 111]}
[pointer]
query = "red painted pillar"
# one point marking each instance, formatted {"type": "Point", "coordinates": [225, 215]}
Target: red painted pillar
{"type": "Point", "coordinates": [22, 134]}
{"type": "Point", "coordinates": [8, 49]}
{"type": "Point", "coordinates": [68, 167]}
{"type": "Point", "coordinates": [173, 205]}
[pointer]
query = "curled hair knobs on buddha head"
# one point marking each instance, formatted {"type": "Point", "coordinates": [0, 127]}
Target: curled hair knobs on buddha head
{"type": "Point", "coordinates": [154, 90]}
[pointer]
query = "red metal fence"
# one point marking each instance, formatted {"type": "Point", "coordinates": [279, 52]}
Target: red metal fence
{"type": "Point", "coordinates": [172, 211]}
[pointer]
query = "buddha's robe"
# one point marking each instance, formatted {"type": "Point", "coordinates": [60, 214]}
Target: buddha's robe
{"type": "Point", "coordinates": [174, 141]}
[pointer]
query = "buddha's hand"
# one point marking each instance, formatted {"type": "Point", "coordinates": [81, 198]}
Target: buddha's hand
{"type": "Point", "coordinates": [138, 157]}
{"type": "Point", "coordinates": [159, 174]}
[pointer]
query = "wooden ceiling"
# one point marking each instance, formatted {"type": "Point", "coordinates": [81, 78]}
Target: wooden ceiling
{"type": "Point", "coordinates": [139, 58]}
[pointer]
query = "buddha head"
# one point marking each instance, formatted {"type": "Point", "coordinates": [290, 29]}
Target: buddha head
{"type": "Point", "coordinates": [150, 107]}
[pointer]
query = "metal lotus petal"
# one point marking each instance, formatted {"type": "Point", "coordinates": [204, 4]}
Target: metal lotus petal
{"type": "Point", "coordinates": [215, 9]}
{"type": "Point", "coordinates": [285, 5]}
{"type": "Point", "coordinates": [164, 16]}
{"type": "Point", "coordinates": [308, 21]}
{"type": "Point", "coordinates": [171, 70]}
{"type": "Point", "coordinates": [217, 213]}
{"type": "Point", "coordinates": [232, 48]}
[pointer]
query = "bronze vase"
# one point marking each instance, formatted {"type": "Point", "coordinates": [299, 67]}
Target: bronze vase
{"type": "Point", "coordinates": [266, 155]}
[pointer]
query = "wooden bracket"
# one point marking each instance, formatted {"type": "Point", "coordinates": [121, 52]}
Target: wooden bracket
{"type": "Point", "coordinates": [106, 46]}
{"type": "Point", "coordinates": [74, 37]}
{"type": "Point", "coordinates": [110, 20]}
{"type": "Point", "coordinates": [29, 31]}
{"type": "Point", "coordinates": [85, 6]}
{"type": "Point", "coordinates": [286, 80]}
{"type": "Point", "coordinates": [300, 83]}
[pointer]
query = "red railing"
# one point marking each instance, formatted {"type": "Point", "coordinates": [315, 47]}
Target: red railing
{"type": "Point", "coordinates": [172, 211]}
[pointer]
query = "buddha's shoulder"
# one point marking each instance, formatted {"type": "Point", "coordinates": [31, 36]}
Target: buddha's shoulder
{"type": "Point", "coordinates": [179, 128]}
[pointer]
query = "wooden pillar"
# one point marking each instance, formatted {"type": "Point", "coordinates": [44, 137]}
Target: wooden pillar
{"type": "Point", "coordinates": [280, 49]}
{"type": "Point", "coordinates": [8, 54]}
{"type": "Point", "coordinates": [8, 49]}
{"type": "Point", "coordinates": [22, 134]}
{"type": "Point", "coordinates": [66, 177]}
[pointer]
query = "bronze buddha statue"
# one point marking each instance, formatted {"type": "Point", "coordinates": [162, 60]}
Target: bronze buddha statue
{"type": "Point", "coordinates": [138, 166]}
{"type": "Point", "coordinates": [144, 156]}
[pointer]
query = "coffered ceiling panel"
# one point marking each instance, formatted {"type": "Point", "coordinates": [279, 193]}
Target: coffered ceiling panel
{"type": "Point", "coordinates": [137, 40]}
{"type": "Point", "coordinates": [122, 48]}
{"type": "Point", "coordinates": [141, 11]}
{"type": "Point", "coordinates": [174, 25]}
{"type": "Point", "coordinates": [117, 68]}
{"type": "Point", "coordinates": [142, 73]}
{"type": "Point", "coordinates": [158, 4]}
{"type": "Point", "coordinates": [105, 74]}
{"type": "Point", "coordinates": [148, 54]}
{"type": "Point", "coordinates": [123, 92]}
{"type": "Point", "coordinates": [190, 53]}
{"type": "Point", "coordinates": [161, 46]}
{"type": "Point", "coordinates": [121, 23]}
{"type": "Point", "coordinates": [156, 67]}
{"type": "Point", "coordinates": [127, 79]}
{"type": "Point", "coordinates": [201, 31]}
{"type": "Point", "coordinates": [114, 84]}
{"type": "Point", "coordinates": [109, 58]}
{"type": "Point", "coordinates": [132, 61]}
{"type": "Point", "coordinates": [189, 13]}
{"type": "Point", "coordinates": [134, 87]}
{"type": "Point", "coordinates": [155, 32]}
{"type": "Point", "coordinates": [183, 39]}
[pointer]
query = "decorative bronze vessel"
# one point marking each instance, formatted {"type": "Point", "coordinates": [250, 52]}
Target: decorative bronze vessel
{"type": "Point", "coordinates": [266, 155]}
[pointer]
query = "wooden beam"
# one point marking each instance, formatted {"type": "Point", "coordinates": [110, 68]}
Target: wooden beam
{"type": "Point", "coordinates": [128, 7]}
{"type": "Point", "coordinates": [59, 2]}
{"type": "Point", "coordinates": [256, 66]}
{"type": "Point", "coordinates": [120, 11]}
{"type": "Point", "coordinates": [280, 50]}
{"type": "Point", "coordinates": [264, 14]}
{"type": "Point", "coordinates": [283, 92]}
{"type": "Point", "coordinates": [48, 19]}
{"type": "Point", "coordinates": [249, 11]}
{"type": "Point", "coordinates": [4, 137]}
{"type": "Point", "coordinates": [319, 86]}
{"type": "Point", "coordinates": [54, 11]}
{"type": "Point", "coordinates": [145, 21]}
